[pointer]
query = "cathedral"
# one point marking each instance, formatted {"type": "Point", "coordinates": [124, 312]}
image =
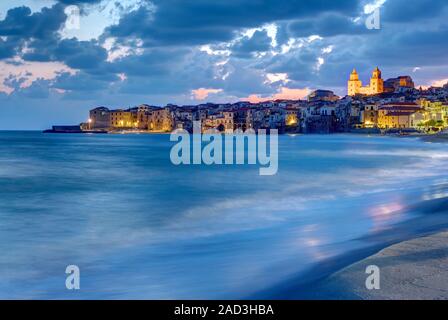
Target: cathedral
{"type": "Point", "coordinates": [355, 85]}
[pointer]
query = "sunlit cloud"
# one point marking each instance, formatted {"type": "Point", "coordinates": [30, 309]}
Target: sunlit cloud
{"type": "Point", "coordinates": [214, 52]}
{"type": "Point", "coordinates": [203, 93]}
{"type": "Point", "coordinates": [271, 30]}
{"type": "Point", "coordinates": [28, 72]}
{"type": "Point", "coordinates": [116, 52]}
{"type": "Point", "coordinates": [276, 77]}
{"type": "Point", "coordinates": [436, 83]}
{"type": "Point", "coordinates": [328, 49]}
{"type": "Point", "coordinates": [313, 37]}
{"type": "Point", "coordinates": [439, 83]}
{"type": "Point", "coordinates": [282, 94]}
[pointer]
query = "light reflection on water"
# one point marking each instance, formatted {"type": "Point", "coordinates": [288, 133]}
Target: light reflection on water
{"type": "Point", "coordinates": [139, 227]}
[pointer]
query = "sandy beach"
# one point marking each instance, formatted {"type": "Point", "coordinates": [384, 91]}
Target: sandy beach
{"type": "Point", "coordinates": [413, 269]}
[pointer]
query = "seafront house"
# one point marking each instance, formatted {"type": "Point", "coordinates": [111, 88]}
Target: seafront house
{"type": "Point", "coordinates": [141, 115]}
{"type": "Point", "coordinates": [99, 119]}
{"type": "Point", "coordinates": [369, 116]}
{"type": "Point", "coordinates": [222, 121]}
{"type": "Point", "coordinates": [397, 115]}
{"type": "Point", "coordinates": [122, 119]}
{"type": "Point", "coordinates": [435, 110]}
{"type": "Point", "coordinates": [292, 118]}
{"type": "Point", "coordinates": [160, 120]}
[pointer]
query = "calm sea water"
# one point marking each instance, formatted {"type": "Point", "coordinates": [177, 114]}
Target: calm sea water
{"type": "Point", "coordinates": [140, 227]}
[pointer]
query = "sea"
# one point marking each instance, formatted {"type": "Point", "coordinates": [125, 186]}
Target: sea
{"type": "Point", "coordinates": [139, 227]}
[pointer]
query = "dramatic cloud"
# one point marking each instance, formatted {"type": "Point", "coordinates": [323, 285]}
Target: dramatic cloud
{"type": "Point", "coordinates": [259, 42]}
{"type": "Point", "coordinates": [161, 51]}
{"type": "Point", "coordinates": [20, 22]}
{"type": "Point", "coordinates": [176, 22]}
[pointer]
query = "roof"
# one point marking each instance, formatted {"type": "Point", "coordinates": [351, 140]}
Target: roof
{"type": "Point", "coordinates": [100, 108]}
{"type": "Point", "coordinates": [400, 110]}
{"type": "Point", "coordinates": [396, 114]}
{"type": "Point", "coordinates": [400, 104]}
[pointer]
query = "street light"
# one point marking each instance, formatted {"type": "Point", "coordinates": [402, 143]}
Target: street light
{"type": "Point", "coordinates": [90, 123]}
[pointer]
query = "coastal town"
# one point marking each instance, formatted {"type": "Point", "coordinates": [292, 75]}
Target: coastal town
{"type": "Point", "coordinates": [382, 106]}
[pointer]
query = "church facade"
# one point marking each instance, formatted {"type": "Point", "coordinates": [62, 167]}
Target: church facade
{"type": "Point", "coordinates": [355, 85]}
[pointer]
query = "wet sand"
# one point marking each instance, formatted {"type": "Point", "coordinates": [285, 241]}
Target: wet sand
{"type": "Point", "coordinates": [406, 255]}
{"type": "Point", "coordinates": [413, 269]}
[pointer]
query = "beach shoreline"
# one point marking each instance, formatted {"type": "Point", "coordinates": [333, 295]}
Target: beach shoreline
{"type": "Point", "coordinates": [414, 268]}
{"type": "Point", "coordinates": [411, 269]}
{"type": "Point", "coordinates": [343, 277]}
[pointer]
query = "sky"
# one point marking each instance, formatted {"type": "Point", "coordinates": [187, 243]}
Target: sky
{"type": "Point", "coordinates": [60, 58]}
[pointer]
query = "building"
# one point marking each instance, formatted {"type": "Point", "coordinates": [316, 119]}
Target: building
{"type": "Point", "coordinates": [348, 114]}
{"type": "Point", "coordinates": [222, 121]}
{"type": "Point", "coordinates": [141, 115]}
{"type": "Point", "coordinates": [241, 119]}
{"type": "Point", "coordinates": [99, 119]}
{"type": "Point", "coordinates": [434, 114]}
{"type": "Point", "coordinates": [355, 86]}
{"type": "Point", "coordinates": [228, 121]}
{"type": "Point", "coordinates": [398, 84]}
{"type": "Point", "coordinates": [292, 117]}
{"type": "Point", "coordinates": [435, 110]}
{"type": "Point", "coordinates": [276, 119]}
{"type": "Point", "coordinates": [123, 119]}
{"type": "Point", "coordinates": [398, 115]}
{"type": "Point", "coordinates": [322, 95]}
{"type": "Point", "coordinates": [160, 120]}
{"type": "Point", "coordinates": [369, 116]}
{"type": "Point", "coordinates": [183, 117]}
